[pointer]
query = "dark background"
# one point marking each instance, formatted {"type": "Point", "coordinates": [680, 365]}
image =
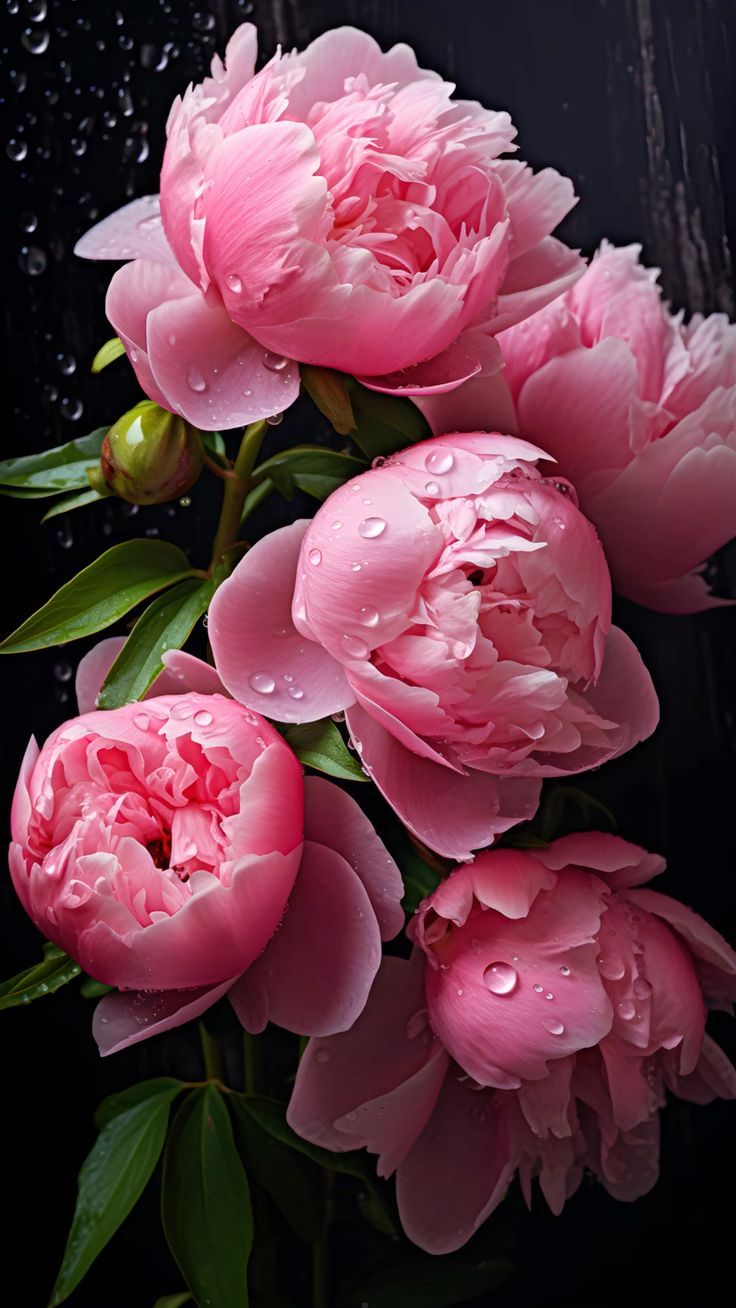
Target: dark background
{"type": "Point", "coordinates": [634, 100]}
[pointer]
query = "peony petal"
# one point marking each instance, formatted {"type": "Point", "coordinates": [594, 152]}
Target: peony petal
{"type": "Point", "coordinates": [133, 232]}
{"type": "Point", "coordinates": [134, 291]}
{"type": "Point", "coordinates": [622, 863]}
{"type": "Point", "coordinates": [484, 403]}
{"type": "Point", "coordinates": [124, 1018]}
{"type": "Point", "coordinates": [92, 670]}
{"type": "Point", "coordinates": [262, 658]}
{"type": "Point", "coordinates": [714, 958]}
{"type": "Point", "coordinates": [533, 280]}
{"type": "Point", "coordinates": [332, 818]}
{"type": "Point", "coordinates": [471, 354]}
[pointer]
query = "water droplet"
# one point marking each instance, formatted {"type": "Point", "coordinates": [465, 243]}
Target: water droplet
{"type": "Point", "coordinates": [295, 692]}
{"type": "Point", "coordinates": [233, 283]}
{"type": "Point", "coordinates": [369, 528]}
{"type": "Point", "coordinates": [32, 260]}
{"type": "Point", "coordinates": [66, 364]}
{"type": "Point", "coordinates": [432, 488]}
{"type": "Point", "coordinates": [336, 525]}
{"type": "Point", "coordinates": [439, 461]}
{"type": "Point", "coordinates": [552, 1025]}
{"type": "Point", "coordinates": [185, 501]}
{"type": "Point", "coordinates": [538, 989]}
{"type": "Point", "coordinates": [323, 1056]}
{"type": "Point", "coordinates": [611, 968]}
{"type": "Point", "coordinates": [203, 718]}
{"type": "Point", "coordinates": [355, 647]}
{"type": "Point", "coordinates": [28, 221]}
{"type": "Point", "coordinates": [627, 1009]}
{"type": "Point", "coordinates": [180, 712]}
{"type": "Point", "coordinates": [16, 150]}
{"type": "Point", "coordinates": [501, 978]}
{"type": "Point", "coordinates": [565, 971]}
{"type": "Point", "coordinates": [274, 362]}
{"type": "Point", "coordinates": [355, 567]}
{"type": "Point", "coordinates": [35, 40]}
{"type": "Point", "coordinates": [262, 683]}
{"type": "Point", "coordinates": [71, 408]}
{"type": "Point", "coordinates": [274, 419]}
{"type": "Point", "coordinates": [315, 557]}
{"type": "Point", "coordinates": [141, 720]}
{"type": "Point", "coordinates": [63, 671]}
{"type": "Point", "coordinates": [195, 380]}
{"type": "Point", "coordinates": [368, 616]}
{"type": "Point", "coordinates": [642, 988]}
{"type": "Point", "coordinates": [549, 995]}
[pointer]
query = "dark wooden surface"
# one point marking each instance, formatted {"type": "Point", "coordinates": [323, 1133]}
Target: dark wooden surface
{"type": "Point", "coordinates": [634, 100]}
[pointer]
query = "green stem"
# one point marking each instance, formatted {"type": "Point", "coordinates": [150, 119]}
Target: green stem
{"type": "Point", "coordinates": [321, 1279]}
{"type": "Point", "coordinates": [252, 1067]}
{"type": "Point", "coordinates": [213, 1068]}
{"type": "Point", "coordinates": [236, 488]}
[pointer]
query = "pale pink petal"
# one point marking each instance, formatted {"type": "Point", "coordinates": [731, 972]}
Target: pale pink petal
{"type": "Point", "coordinates": [261, 657]}
{"type": "Point", "coordinates": [457, 1172]}
{"type": "Point", "coordinates": [332, 818]}
{"type": "Point", "coordinates": [533, 280]}
{"type": "Point", "coordinates": [471, 354]}
{"type": "Point", "coordinates": [317, 971]}
{"type": "Point", "coordinates": [714, 958]}
{"type": "Point", "coordinates": [484, 403]}
{"type": "Point", "coordinates": [123, 1018]}
{"type": "Point", "coordinates": [183, 672]}
{"type": "Point", "coordinates": [134, 291]}
{"type": "Point", "coordinates": [390, 1124]}
{"type": "Point", "coordinates": [536, 202]}
{"type": "Point", "coordinates": [92, 670]}
{"type": "Point", "coordinates": [622, 863]}
{"type": "Point", "coordinates": [453, 814]}
{"type": "Point", "coordinates": [133, 232]}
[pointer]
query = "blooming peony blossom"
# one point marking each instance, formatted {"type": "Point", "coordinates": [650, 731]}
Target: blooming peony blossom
{"type": "Point", "coordinates": [457, 605]}
{"type": "Point", "coordinates": [336, 208]}
{"type": "Point", "coordinates": [161, 845]}
{"type": "Point", "coordinates": [548, 1006]}
{"type": "Point", "coordinates": [639, 410]}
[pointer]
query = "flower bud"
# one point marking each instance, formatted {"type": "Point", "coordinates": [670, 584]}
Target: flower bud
{"type": "Point", "coordinates": [150, 456]}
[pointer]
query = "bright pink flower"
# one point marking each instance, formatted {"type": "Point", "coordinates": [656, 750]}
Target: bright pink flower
{"type": "Point", "coordinates": [639, 411]}
{"type": "Point", "coordinates": [547, 1007]}
{"type": "Point", "coordinates": [337, 208]}
{"type": "Point", "coordinates": [160, 845]}
{"type": "Point", "coordinates": [457, 605]}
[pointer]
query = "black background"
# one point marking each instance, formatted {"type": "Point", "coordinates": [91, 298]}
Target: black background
{"type": "Point", "coordinates": [634, 100]}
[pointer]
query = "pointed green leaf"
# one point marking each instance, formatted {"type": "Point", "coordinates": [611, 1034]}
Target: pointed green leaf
{"type": "Point", "coordinates": [319, 745]}
{"type": "Point", "coordinates": [205, 1202]}
{"type": "Point", "coordinates": [56, 970]}
{"type": "Point", "coordinates": [124, 1100]}
{"type": "Point", "coordinates": [384, 423]}
{"type": "Point", "coordinates": [173, 1300]}
{"type": "Point", "coordinates": [62, 468]}
{"type": "Point", "coordinates": [164, 625]}
{"type": "Point", "coordinates": [111, 1181]}
{"type": "Point", "coordinates": [107, 353]}
{"type": "Point", "coordinates": [329, 391]}
{"type": "Point", "coordinates": [311, 468]}
{"type": "Point", "coordinates": [293, 1181]}
{"type": "Point", "coordinates": [100, 594]}
{"type": "Point", "coordinates": [70, 502]}
{"type": "Point", "coordinates": [256, 497]}
{"type": "Point", "coordinates": [430, 1283]}
{"type": "Point", "coordinates": [91, 989]}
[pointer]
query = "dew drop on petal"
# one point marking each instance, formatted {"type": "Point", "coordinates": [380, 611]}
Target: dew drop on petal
{"type": "Point", "coordinates": [565, 971]}
{"type": "Point", "coordinates": [538, 989]}
{"type": "Point", "coordinates": [322, 1055]}
{"type": "Point", "coordinates": [274, 362]}
{"type": "Point", "coordinates": [368, 616]}
{"type": "Point", "coordinates": [439, 461]}
{"type": "Point", "coordinates": [501, 978]}
{"type": "Point", "coordinates": [295, 692]}
{"type": "Point", "coordinates": [262, 683]}
{"type": "Point", "coordinates": [552, 1025]}
{"type": "Point", "coordinates": [432, 488]}
{"type": "Point", "coordinates": [233, 283]}
{"type": "Point", "coordinates": [203, 718]}
{"type": "Point", "coordinates": [195, 380]}
{"type": "Point", "coordinates": [627, 1009]}
{"type": "Point", "coordinates": [642, 988]}
{"type": "Point", "coordinates": [355, 647]}
{"type": "Point", "coordinates": [369, 528]}
{"type": "Point", "coordinates": [315, 557]}
{"type": "Point", "coordinates": [611, 968]}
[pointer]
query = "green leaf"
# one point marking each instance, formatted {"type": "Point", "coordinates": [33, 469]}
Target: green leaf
{"type": "Point", "coordinates": [420, 880]}
{"type": "Point", "coordinates": [384, 423]}
{"type": "Point", "coordinates": [293, 1182]}
{"type": "Point", "coordinates": [429, 1283]}
{"type": "Point", "coordinates": [310, 468]}
{"type": "Point", "coordinates": [173, 1300]}
{"type": "Point", "coordinates": [215, 447]}
{"type": "Point", "coordinates": [271, 1118]}
{"type": "Point", "coordinates": [164, 625]}
{"type": "Point", "coordinates": [205, 1203]}
{"type": "Point", "coordinates": [329, 391]}
{"type": "Point", "coordinates": [63, 468]}
{"type": "Point", "coordinates": [56, 970]}
{"type": "Point", "coordinates": [111, 1181]}
{"type": "Point", "coordinates": [70, 502]}
{"type": "Point", "coordinates": [91, 989]}
{"type": "Point", "coordinates": [107, 353]}
{"type": "Point", "coordinates": [123, 1100]}
{"type": "Point", "coordinates": [319, 745]}
{"type": "Point", "coordinates": [256, 497]}
{"type": "Point", "coordinates": [100, 594]}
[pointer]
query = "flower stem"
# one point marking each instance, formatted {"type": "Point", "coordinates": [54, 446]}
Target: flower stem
{"type": "Point", "coordinates": [211, 1054]}
{"type": "Point", "coordinates": [236, 488]}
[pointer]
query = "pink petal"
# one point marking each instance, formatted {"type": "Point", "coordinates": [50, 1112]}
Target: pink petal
{"type": "Point", "coordinates": [390, 1124]}
{"type": "Point", "coordinates": [317, 971]}
{"type": "Point", "coordinates": [385, 1047]}
{"type": "Point", "coordinates": [133, 232]}
{"type": "Point", "coordinates": [484, 403]}
{"type": "Point", "coordinates": [622, 863]}
{"type": "Point", "coordinates": [212, 372]}
{"type": "Point", "coordinates": [453, 814]}
{"type": "Point", "coordinates": [471, 354]}
{"type": "Point", "coordinates": [184, 672]}
{"type": "Point", "coordinates": [92, 670]}
{"type": "Point", "coordinates": [332, 818]}
{"type": "Point", "coordinates": [457, 1172]}
{"type": "Point", "coordinates": [124, 1018]}
{"type": "Point", "coordinates": [134, 291]}
{"type": "Point", "coordinates": [714, 958]}
{"type": "Point", "coordinates": [714, 1077]}
{"type": "Point", "coordinates": [22, 807]}
{"type": "Point", "coordinates": [533, 280]}
{"type": "Point", "coordinates": [262, 658]}
{"type": "Point", "coordinates": [536, 202]}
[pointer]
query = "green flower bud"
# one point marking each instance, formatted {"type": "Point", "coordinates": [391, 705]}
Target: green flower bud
{"type": "Point", "coordinates": [150, 456]}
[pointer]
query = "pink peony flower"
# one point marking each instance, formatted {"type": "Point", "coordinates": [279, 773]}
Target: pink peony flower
{"type": "Point", "coordinates": [336, 208]}
{"type": "Point", "coordinates": [547, 1007]}
{"type": "Point", "coordinates": [639, 410]}
{"type": "Point", "coordinates": [457, 605]}
{"type": "Point", "coordinates": [161, 844]}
